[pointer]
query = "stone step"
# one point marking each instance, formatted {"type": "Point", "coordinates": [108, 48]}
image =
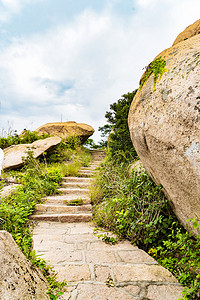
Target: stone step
{"type": "Point", "coordinates": [65, 199]}
{"type": "Point", "coordinates": [74, 191]}
{"type": "Point", "coordinates": [81, 185]}
{"type": "Point", "coordinates": [95, 163]}
{"type": "Point", "coordinates": [62, 218]}
{"type": "Point", "coordinates": [60, 209]}
{"type": "Point", "coordinates": [101, 154]}
{"type": "Point", "coordinates": [76, 179]}
{"type": "Point", "coordinates": [98, 160]}
{"type": "Point", "coordinates": [98, 154]}
{"type": "Point", "coordinates": [86, 171]}
{"type": "Point", "coordinates": [85, 168]}
{"type": "Point", "coordinates": [85, 174]}
{"type": "Point", "coordinates": [89, 168]}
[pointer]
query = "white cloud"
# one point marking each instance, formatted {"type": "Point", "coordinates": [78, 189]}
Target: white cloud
{"type": "Point", "coordinates": [77, 70]}
{"type": "Point", "coordinates": [145, 3]}
{"type": "Point", "coordinates": [12, 7]}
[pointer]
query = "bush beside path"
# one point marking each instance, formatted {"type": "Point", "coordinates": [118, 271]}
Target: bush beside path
{"type": "Point", "coordinates": [64, 236]}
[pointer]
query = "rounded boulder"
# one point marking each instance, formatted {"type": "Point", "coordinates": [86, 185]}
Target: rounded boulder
{"type": "Point", "coordinates": [164, 122]}
{"type": "Point", "coordinates": [67, 129]}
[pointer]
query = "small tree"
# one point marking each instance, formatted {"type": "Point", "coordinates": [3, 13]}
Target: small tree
{"type": "Point", "coordinates": [119, 141]}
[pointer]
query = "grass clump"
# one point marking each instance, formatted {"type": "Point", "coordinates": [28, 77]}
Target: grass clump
{"type": "Point", "coordinates": [156, 67]}
{"type": "Point", "coordinates": [74, 159]}
{"type": "Point", "coordinates": [133, 207]}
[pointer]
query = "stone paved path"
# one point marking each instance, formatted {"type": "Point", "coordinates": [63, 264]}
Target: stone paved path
{"type": "Point", "coordinates": [95, 270]}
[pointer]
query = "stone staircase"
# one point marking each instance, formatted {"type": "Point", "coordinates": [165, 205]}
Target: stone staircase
{"type": "Point", "coordinates": [74, 203]}
{"type": "Point", "coordinates": [93, 269]}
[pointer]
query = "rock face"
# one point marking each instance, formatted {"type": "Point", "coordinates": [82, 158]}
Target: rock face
{"type": "Point", "coordinates": [67, 129]}
{"type": "Point", "coordinates": [164, 123]}
{"type": "Point", "coordinates": [136, 166]}
{"type": "Point", "coordinates": [18, 278]}
{"type": "Point", "coordinates": [189, 32]}
{"type": "Point", "coordinates": [13, 155]}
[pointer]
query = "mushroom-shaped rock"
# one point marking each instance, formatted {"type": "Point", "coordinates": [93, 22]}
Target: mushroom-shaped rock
{"type": "Point", "coordinates": [164, 122]}
{"type": "Point", "coordinates": [67, 129]}
{"type": "Point", "coordinates": [13, 155]}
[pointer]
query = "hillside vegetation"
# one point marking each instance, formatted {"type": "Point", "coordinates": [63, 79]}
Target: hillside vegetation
{"type": "Point", "coordinates": [133, 207]}
{"type": "Point", "coordinates": [38, 178]}
{"type": "Point", "coordinates": [127, 203]}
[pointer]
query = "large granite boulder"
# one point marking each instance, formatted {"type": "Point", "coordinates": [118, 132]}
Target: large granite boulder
{"type": "Point", "coordinates": [67, 129]}
{"type": "Point", "coordinates": [189, 32]}
{"type": "Point", "coordinates": [19, 279]}
{"type": "Point", "coordinates": [13, 155]}
{"type": "Point", "coordinates": [164, 122]}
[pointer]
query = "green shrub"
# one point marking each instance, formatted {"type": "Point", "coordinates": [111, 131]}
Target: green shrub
{"type": "Point", "coordinates": [15, 210]}
{"type": "Point", "coordinates": [68, 150]}
{"type": "Point", "coordinates": [37, 180]}
{"type": "Point", "coordinates": [27, 138]}
{"type": "Point", "coordinates": [133, 207]}
{"type": "Point", "coordinates": [179, 253]}
{"type": "Point", "coordinates": [120, 147]}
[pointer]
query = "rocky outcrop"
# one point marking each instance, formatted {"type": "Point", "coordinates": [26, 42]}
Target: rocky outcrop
{"type": "Point", "coordinates": [13, 155]}
{"type": "Point", "coordinates": [67, 129]}
{"type": "Point", "coordinates": [189, 32]}
{"type": "Point", "coordinates": [8, 190]}
{"type": "Point", "coordinates": [19, 279]}
{"type": "Point", "coordinates": [164, 122]}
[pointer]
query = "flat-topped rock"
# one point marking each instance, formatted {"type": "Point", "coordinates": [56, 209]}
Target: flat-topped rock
{"type": "Point", "coordinates": [67, 129]}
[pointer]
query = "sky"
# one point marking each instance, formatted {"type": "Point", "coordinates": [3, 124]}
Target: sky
{"type": "Point", "coordinates": [68, 60]}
